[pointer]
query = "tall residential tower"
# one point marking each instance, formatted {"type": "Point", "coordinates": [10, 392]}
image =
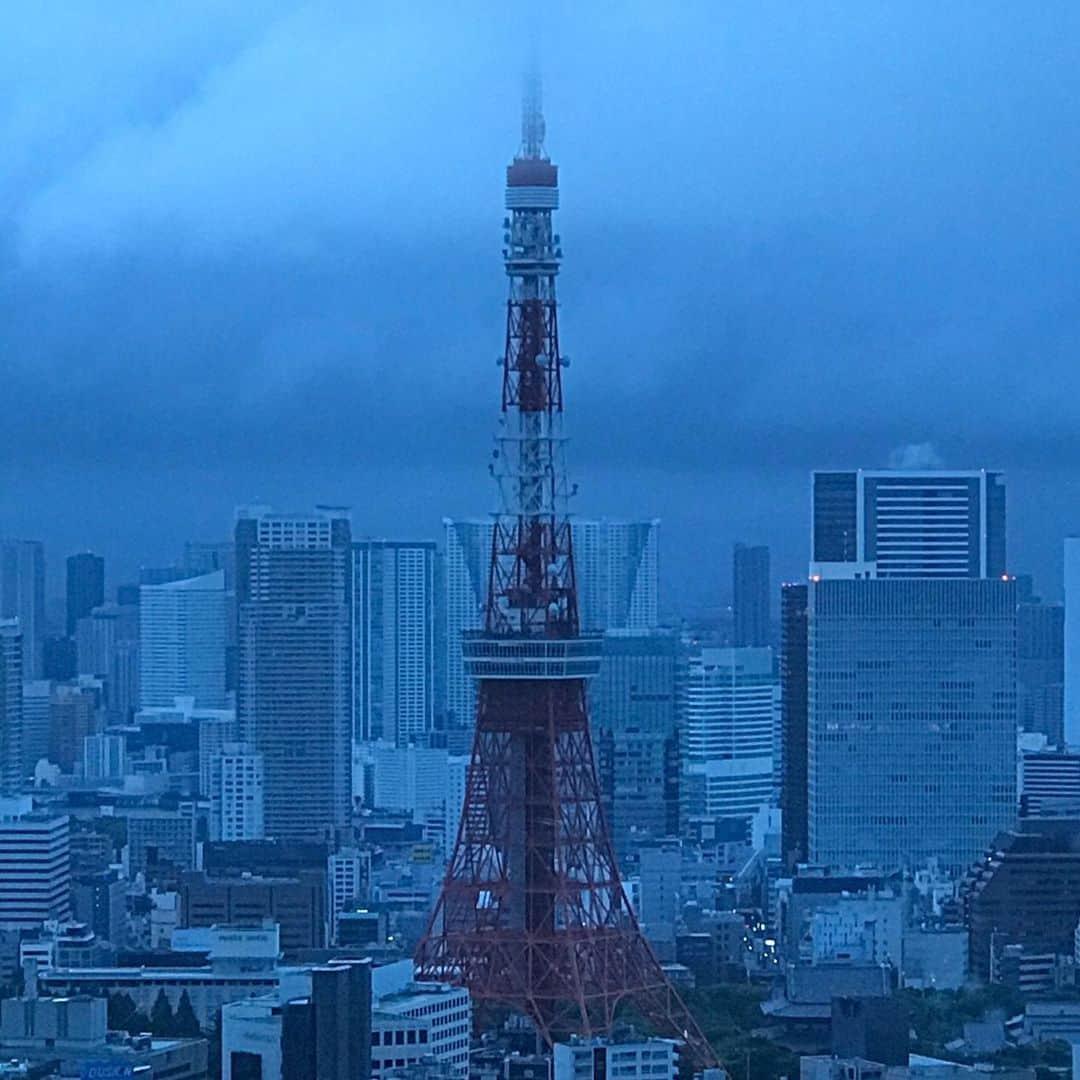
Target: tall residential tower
{"type": "Point", "coordinates": [294, 699]}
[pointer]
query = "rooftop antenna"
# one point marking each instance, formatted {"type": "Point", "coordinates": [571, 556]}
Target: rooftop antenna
{"type": "Point", "coordinates": [532, 117]}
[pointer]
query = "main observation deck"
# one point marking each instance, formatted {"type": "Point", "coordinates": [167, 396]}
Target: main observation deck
{"type": "Point", "coordinates": [490, 656]}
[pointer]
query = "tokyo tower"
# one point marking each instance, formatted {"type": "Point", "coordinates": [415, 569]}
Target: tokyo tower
{"type": "Point", "coordinates": [532, 914]}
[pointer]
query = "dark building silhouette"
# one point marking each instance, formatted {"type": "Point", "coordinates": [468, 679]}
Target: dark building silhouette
{"type": "Point", "coordinates": [60, 659]}
{"type": "Point", "coordinates": [297, 902]}
{"type": "Point", "coordinates": [750, 592]}
{"type": "Point", "coordinates": [793, 721]}
{"type": "Point", "coordinates": [1025, 892]}
{"type": "Point", "coordinates": [872, 1028]}
{"type": "Point", "coordinates": [85, 587]}
{"type": "Point", "coordinates": [1040, 669]}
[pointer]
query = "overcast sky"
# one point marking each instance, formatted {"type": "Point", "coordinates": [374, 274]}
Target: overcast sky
{"type": "Point", "coordinates": [257, 257]}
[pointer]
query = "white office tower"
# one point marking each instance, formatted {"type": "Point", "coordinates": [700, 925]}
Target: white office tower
{"type": "Point", "coordinates": [22, 597]}
{"type": "Point", "coordinates": [104, 758]}
{"type": "Point", "coordinates": [728, 705]}
{"type": "Point", "coordinates": [617, 568]}
{"type": "Point", "coordinates": [1072, 641]}
{"type": "Point", "coordinates": [630, 1058]}
{"type": "Point", "coordinates": [35, 865]}
{"type": "Point", "coordinates": [182, 641]}
{"type": "Point", "coordinates": [36, 702]}
{"type": "Point", "coordinates": [217, 728]}
{"type": "Point", "coordinates": [394, 633]}
{"type": "Point", "coordinates": [411, 780]}
{"type": "Point", "coordinates": [617, 565]}
{"type": "Point", "coordinates": [11, 704]}
{"type": "Point", "coordinates": [236, 793]}
{"type": "Point", "coordinates": [346, 877]}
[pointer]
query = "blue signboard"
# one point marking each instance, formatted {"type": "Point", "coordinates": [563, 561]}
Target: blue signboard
{"type": "Point", "coordinates": [106, 1070]}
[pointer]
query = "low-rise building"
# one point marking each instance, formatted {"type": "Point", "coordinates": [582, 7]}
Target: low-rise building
{"type": "Point", "coordinates": [71, 1033]}
{"type": "Point", "coordinates": [630, 1057]}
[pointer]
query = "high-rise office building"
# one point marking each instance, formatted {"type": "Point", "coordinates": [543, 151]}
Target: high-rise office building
{"type": "Point", "coordinates": [294, 697]}
{"type": "Point", "coordinates": [394, 628]}
{"type": "Point", "coordinates": [728, 702]}
{"type": "Point", "coordinates": [1049, 779]}
{"type": "Point", "coordinates": [85, 587]}
{"type": "Point", "coordinates": [206, 557]}
{"type": "Point", "coordinates": [632, 707]}
{"type": "Point", "coordinates": [750, 596]}
{"type": "Point", "coordinates": [793, 721]}
{"type": "Point", "coordinates": [911, 720]}
{"type": "Point", "coordinates": [71, 718]}
{"type": "Point", "coordinates": [910, 524]}
{"type": "Point", "coordinates": [35, 865]}
{"type": "Point", "coordinates": [98, 634]}
{"type": "Point", "coordinates": [467, 552]}
{"type": "Point", "coordinates": [22, 597]}
{"type": "Point", "coordinates": [36, 706]}
{"type": "Point", "coordinates": [182, 642]}
{"type": "Point", "coordinates": [1040, 668]}
{"type": "Point", "coordinates": [617, 573]}
{"type": "Point", "coordinates": [617, 565]}
{"type": "Point", "coordinates": [12, 771]}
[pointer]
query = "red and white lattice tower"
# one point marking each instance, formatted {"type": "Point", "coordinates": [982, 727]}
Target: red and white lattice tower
{"type": "Point", "coordinates": [532, 913]}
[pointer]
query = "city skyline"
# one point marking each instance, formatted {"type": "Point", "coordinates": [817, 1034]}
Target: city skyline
{"type": "Point", "coordinates": [724, 725]}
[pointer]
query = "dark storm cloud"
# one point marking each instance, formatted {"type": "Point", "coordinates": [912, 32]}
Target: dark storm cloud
{"type": "Point", "coordinates": [241, 248]}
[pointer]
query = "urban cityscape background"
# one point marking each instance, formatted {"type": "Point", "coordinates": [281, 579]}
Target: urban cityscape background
{"type": "Point", "coordinates": [736, 736]}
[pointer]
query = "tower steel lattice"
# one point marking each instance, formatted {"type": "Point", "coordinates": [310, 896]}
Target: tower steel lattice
{"type": "Point", "coordinates": [532, 912]}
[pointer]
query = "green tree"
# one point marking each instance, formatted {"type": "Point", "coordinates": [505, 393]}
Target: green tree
{"type": "Point", "coordinates": [186, 1024]}
{"type": "Point", "coordinates": [121, 1011]}
{"type": "Point", "coordinates": [162, 1021]}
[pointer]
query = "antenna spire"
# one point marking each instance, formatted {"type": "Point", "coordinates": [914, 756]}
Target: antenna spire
{"type": "Point", "coordinates": [532, 119]}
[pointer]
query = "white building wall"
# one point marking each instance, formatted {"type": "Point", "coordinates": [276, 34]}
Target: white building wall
{"type": "Point", "coordinates": [236, 794]}
{"type": "Point", "coordinates": [727, 716]}
{"type": "Point", "coordinates": [182, 641]}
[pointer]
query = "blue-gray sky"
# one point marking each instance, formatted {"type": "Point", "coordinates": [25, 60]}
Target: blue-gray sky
{"type": "Point", "coordinates": [256, 256]}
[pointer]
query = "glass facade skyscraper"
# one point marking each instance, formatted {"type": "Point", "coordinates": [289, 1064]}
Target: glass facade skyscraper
{"type": "Point", "coordinates": [632, 709]}
{"type": "Point", "coordinates": [728, 703]}
{"type": "Point", "coordinates": [911, 720]}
